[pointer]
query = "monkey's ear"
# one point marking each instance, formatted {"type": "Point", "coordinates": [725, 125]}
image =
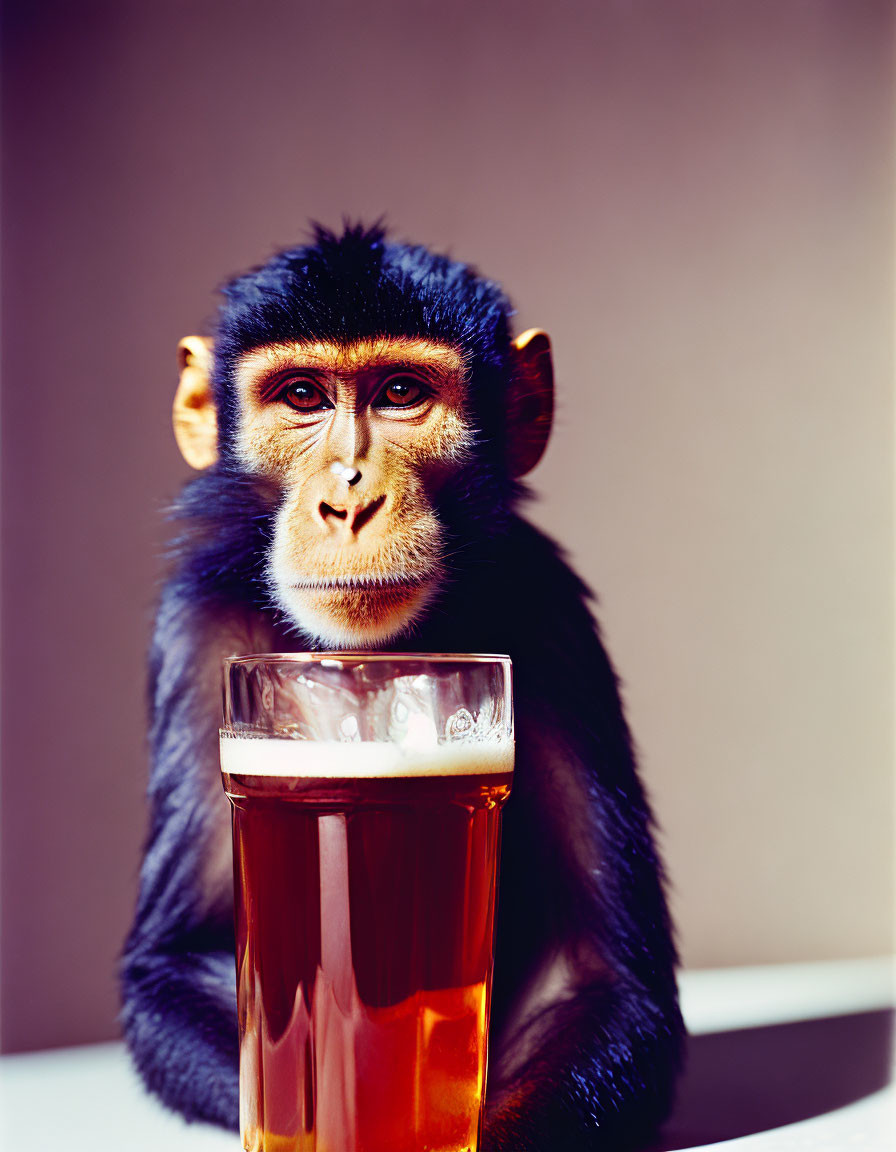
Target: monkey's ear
{"type": "Point", "coordinates": [195, 419]}
{"type": "Point", "coordinates": [530, 401]}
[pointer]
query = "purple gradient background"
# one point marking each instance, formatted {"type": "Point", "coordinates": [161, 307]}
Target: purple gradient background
{"type": "Point", "coordinates": [695, 198]}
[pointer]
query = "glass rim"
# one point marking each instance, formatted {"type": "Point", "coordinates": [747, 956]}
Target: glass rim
{"type": "Point", "coordinates": [368, 657]}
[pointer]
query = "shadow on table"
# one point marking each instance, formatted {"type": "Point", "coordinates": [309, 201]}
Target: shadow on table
{"type": "Point", "coordinates": [737, 1083]}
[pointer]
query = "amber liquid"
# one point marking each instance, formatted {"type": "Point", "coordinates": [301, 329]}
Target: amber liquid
{"type": "Point", "coordinates": [364, 926]}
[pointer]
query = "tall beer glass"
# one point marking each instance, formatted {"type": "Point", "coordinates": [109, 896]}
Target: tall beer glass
{"type": "Point", "coordinates": [366, 793]}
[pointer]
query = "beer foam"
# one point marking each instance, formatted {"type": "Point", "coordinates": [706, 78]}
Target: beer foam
{"type": "Point", "coordinates": [332, 759]}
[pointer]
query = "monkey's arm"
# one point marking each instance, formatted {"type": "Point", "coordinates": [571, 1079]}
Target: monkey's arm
{"type": "Point", "coordinates": [588, 1033]}
{"type": "Point", "coordinates": [602, 1078]}
{"type": "Point", "coordinates": [177, 971]}
{"type": "Point", "coordinates": [180, 1022]}
{"type": "Point", "coordinates": [177, 974]}
{"type": "Point", "coordinates": [588, 1055]}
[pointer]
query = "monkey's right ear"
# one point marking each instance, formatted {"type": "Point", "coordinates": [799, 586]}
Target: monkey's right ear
{"type": "Point", "coordinates": [195, 419]}
{"type": "Point", "coordinates": [530, 401]}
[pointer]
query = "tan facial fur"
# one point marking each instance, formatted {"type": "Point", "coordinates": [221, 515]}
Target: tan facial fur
{"type": "Point", "coordinates": [357, 548]}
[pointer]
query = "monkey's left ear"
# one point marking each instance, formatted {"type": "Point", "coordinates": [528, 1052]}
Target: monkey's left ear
{"type": "Point", "coordinates": [195, 419]}
{"type": "Point", "coordinates": [530, 401]}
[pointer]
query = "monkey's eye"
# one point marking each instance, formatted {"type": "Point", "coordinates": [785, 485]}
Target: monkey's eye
{"type": "Point", "coordinates": [400, 392]}
{"type": "Point", "coordinates": [303, 395]}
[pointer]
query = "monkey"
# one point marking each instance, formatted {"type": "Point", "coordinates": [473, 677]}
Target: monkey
{"type": "Point", "coordinates": [361, 419]}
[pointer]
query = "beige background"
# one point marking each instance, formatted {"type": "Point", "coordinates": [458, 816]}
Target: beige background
{"type": "Point", "coordinates": [695, 198]}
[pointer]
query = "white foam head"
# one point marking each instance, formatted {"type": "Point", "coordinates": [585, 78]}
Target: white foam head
{"type": "Point", "coordinates": [272, 756]}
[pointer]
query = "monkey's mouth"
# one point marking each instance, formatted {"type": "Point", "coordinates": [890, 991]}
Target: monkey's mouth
{"type": "Point", "coordinates": [361, 583]}
{"type": "Point", "coordinates": [360, 610]}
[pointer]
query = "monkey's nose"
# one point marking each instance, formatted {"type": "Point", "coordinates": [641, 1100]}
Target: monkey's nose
{"type": "Point", "coordinates": [354, 518]}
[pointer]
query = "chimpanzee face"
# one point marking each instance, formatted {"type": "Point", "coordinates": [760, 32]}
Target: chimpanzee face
{"type": "Point", "coordinates": [357, 439]}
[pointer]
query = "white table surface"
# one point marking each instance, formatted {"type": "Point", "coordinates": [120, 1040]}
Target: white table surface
{"type": "Point", "coordinates": [75, 1099]}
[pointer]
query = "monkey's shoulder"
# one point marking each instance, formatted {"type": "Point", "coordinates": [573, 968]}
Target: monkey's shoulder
{"type": "Point", "coordinates": [545, 614]}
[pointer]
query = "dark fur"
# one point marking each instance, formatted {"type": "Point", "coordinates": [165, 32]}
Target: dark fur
{"type": "Point", "coordinates": [579, 874]}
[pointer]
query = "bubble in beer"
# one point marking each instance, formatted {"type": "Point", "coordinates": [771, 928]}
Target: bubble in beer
{"type": "Point", "coordinates": [459, 725]}
{"type": "Point", "coordinates": [349, 728]}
